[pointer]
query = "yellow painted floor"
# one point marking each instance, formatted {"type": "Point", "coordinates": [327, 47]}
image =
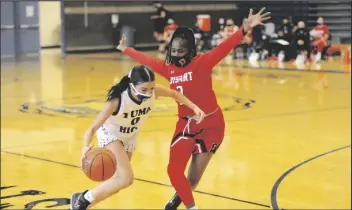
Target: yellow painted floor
{"type": "Point", "coordinates": [287, 142]}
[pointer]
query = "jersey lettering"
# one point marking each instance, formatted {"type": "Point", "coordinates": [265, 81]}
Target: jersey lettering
{"type": "Point", "coordinates": [181, 78]}
{"type": "Point", "coordinates": [135, 120]}
{"type": "Point", "coordinates": [127, 129]}
{"type": "Point", "coordinates": [180, 89]}
{"type": "Point", "coordinates": [136, 113]}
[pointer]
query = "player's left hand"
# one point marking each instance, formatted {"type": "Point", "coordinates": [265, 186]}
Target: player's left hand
{"type": "Point", "coordinates": [122, 46]}
{"type": "Point", "coordinates": [255, 19]}
{"type": "Point", "coordinates": [199, 115]}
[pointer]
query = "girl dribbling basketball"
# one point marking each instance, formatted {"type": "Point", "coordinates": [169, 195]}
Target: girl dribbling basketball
{"type": "Point", "coordinates": [127, 107]}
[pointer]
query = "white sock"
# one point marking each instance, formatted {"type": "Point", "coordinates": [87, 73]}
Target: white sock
{"type": "Point", "coordinates": [89, 197]}
{"type": "Point", "coordinates": [194, 207]}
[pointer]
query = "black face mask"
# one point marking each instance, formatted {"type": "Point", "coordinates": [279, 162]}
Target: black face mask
{"type": "Point", "coordinates": [180, 61]}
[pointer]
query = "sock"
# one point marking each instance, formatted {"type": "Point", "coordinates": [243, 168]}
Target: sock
{"type": "Point", "coordinates": [317, 57]}
{"type": "Point", "coordinates": [89, 197]}
{"type": "Point", "coordinates": [194, 207]}
{"type": "Point", "coordinates": [180, 153]}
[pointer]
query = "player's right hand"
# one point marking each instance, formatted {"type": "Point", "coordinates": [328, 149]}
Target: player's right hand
{"type": "Point", "coordinates": [199, 115]}
{"type": "Point", "coordinates": [85, 150]}
{"type": "Point", "coordinates": [122, 45]}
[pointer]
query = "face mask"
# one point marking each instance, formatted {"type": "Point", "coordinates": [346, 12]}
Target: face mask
{"type": "Point", "coordinates": [141, 96]}
{"type": "Point", "coordinates": [180, 61]}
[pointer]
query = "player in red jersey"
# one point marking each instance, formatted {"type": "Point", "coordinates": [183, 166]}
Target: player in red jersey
{"type": "Point", "coordinates": [321, 35]}
{"type": "Point", "coordinates": [190, 74]}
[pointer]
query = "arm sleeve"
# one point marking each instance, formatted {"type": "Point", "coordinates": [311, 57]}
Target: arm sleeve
{"type": "Point", "coordinates": [156, 65]}
{"type": "Point", "coordinates": [213, 57]}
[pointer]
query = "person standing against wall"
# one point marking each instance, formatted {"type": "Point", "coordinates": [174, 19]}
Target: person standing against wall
{"type": "Point", "coordinates": [160, 21]}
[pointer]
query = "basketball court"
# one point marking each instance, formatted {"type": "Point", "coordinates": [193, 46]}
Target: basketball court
{"type": "Point", "coordinates": [287, 142]}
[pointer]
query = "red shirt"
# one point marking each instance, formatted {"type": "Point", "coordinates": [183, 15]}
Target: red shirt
{"type": "Point", "coordinates": [170, 29]}
{"type": "Point", "coordinates": [322, 30]}
{"type": "Point", "coordinates": [194, 80]}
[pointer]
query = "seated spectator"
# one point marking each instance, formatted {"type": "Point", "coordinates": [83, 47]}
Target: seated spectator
{"type": "Point", "coordinates": [320, 33]}
{"type": "Point", "coordinates": [301, 42]}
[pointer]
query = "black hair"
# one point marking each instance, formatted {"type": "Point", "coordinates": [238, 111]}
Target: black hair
{"type": "Point", "coordinates": [183, 33]}
{"type": "Point", "coordinates": [139, 74]}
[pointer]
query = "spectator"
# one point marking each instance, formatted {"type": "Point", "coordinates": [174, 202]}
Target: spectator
{"type": "Point", "coordinates": [320, 33]}
{"type": "Point", "coordinates": [199, 37]}
{"type": "Point", "coordinates": [217, 37]}
{"type": "Point", "coordinates": [160, 20]}
{"type": "Point", "coordinates": [301, 42]}
{"type": "Point", "coordinates": [169, 29]}
{"type": "Point", "coordinates": [286, 30]}
{"type": "Point", "coordinates": [229, 29]}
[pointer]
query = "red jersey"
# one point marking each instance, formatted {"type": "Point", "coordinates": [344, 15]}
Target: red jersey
{"type": "Point", "coordinates": [321, 30]}
{"type": "Point", "coordinates": [193, 80]}
{"type": "Point", "coordinates": [170, 29]}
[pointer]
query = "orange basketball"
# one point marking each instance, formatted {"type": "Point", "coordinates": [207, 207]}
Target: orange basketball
{"type": "Point", "coordinates": [99, 164]}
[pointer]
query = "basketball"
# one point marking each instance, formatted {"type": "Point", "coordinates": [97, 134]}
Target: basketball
{"type": "Point", "coordinates": [99, 164]}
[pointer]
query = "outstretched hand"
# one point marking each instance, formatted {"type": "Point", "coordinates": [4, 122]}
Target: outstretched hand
{"type": "Point", "coordinates": [122, 46]}
{"type": "Point", "coordinates": [255, 19]}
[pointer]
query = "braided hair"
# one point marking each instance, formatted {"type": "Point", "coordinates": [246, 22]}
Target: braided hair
{"type": "Point", "coordinates": [186, 34]}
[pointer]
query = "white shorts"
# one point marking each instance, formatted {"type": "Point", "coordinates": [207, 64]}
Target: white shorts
{"type": "Point", "coordinates": [105, 138]}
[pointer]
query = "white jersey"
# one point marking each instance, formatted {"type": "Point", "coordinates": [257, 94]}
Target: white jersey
{"type": "Point", "coordinates": [124, 126]}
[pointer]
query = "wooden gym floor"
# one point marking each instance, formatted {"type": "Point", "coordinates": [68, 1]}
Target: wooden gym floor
{"type": "Point", "coordinates": [287, 142]}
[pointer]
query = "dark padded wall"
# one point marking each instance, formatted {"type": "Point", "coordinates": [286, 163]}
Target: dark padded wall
{"type": "Point", "coordinates": [100, 33]}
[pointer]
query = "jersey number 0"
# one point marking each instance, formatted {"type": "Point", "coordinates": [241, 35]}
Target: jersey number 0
{"type": "Point", "coordinates": [180, 89]}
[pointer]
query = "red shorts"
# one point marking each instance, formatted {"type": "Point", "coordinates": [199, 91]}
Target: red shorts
{"type": "Point", "coordinates": [207, 135]}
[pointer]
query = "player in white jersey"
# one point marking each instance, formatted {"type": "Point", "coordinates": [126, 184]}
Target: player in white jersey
{"type": "Point", "coordinates": [126, 109]}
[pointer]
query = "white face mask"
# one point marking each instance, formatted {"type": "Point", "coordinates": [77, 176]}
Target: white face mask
{"type": "Point", "coordinates": [301, 24]}
{"type": "Point", "coordinates": [141, 96]}
{"type": "Point", "coordinates": [320, 21]}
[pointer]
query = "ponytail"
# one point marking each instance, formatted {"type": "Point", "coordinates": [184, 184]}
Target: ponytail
{"type": "Point", "coordinates": [139, 74]}
{"type": "Point", "coordinates": [116, 90]}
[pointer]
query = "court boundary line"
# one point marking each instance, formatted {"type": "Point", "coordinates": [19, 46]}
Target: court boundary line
{"type": "Point", "coordinates": [141, 180]}
{"type": "Point", "coordinates": [273, 195]}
